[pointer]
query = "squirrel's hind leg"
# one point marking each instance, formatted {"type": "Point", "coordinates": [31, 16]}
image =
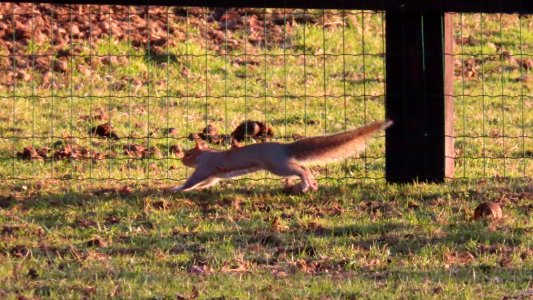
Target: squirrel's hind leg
{"type": "Point", "coordinates": [312, 181]}
{"type": "Point", "coordinates": [292, 169]}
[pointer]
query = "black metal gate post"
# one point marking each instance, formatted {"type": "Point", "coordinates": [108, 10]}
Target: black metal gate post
{"type": "Point", "coordinates": [419, 67]}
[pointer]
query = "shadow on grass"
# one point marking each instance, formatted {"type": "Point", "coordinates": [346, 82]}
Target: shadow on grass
{"type": "Point", "coordinates": [201, 247]}
{"type": "Point", "coordinates": [365, 191]}
{"type": "Point", "coordinates": [401, 238]}
{"type": "Point", "coordinates": [203, 197]}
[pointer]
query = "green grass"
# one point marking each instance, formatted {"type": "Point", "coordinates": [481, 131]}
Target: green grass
{"type": "Point", "coordinates": [70, 229]}
{"type": "Point", "coordinates": [245, 240]}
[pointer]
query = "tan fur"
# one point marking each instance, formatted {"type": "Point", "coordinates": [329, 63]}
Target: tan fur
{"type": "Point", "coordinates": [281, 159]}
{"type": "Point", "coordinates": [334, 147]}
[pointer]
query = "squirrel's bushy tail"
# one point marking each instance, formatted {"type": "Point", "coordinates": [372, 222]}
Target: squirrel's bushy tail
{"type": "Point", "coordinates": [337, 146]}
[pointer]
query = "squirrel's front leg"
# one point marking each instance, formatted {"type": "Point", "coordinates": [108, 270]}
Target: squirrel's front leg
{"type": "Point", "coordinates": [196, 180]}
{"type": "Point", "coordinates": [177, 189]}
{"type": "Point", "coordinates": [208, 182]}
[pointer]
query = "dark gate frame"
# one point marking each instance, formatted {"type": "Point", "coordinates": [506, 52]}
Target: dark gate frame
{"type": "Point", "coordinates": [419, 72]}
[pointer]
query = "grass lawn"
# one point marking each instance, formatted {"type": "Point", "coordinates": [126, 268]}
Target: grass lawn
{"type": "Point", "coordinates": [104, 227]}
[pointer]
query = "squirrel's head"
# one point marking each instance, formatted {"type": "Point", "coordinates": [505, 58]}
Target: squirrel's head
{"type": "Point", "coordinates": [190, 157]}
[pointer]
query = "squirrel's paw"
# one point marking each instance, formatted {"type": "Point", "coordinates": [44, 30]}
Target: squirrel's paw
{"type": "Point", "coordinates": [309, 185]}
{"type": "Point", "coordinates": [313, 185]}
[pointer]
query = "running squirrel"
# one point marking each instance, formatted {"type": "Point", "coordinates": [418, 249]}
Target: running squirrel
{"type": "Point", "coordinates": [286, 160]}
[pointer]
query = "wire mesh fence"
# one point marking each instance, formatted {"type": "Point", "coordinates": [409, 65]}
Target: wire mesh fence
{"type": "Point", "coordinates": [117, 92]}
{"type": "Point", "coordinates": [493, 95]}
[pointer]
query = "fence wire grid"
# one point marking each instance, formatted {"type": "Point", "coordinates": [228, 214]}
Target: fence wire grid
{"type": "Point", "coordinates": [117, 92]}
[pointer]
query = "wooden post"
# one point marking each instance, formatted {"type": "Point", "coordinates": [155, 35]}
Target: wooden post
{"type": "Point", "coordinates": [419, 146]}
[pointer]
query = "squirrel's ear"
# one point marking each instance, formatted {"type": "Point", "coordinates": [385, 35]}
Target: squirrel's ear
{"type": "Point", "coordinates": [200, 145]}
